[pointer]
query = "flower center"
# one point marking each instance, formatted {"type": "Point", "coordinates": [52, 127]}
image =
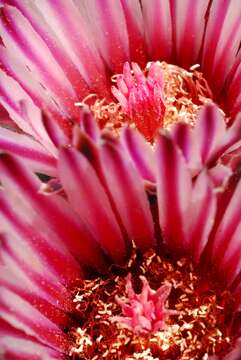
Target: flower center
{"type": "Point", "coordinates": [158, 96]}
{"type": "Point", "coordinates": [162, 309]}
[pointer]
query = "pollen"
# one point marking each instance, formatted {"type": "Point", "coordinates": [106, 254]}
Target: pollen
{"type": "Point", "coordinates": [160, 95]}
{"type": "Point", "coordinates": [153, 308]}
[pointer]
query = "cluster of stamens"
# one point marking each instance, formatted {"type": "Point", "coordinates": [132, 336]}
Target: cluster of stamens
{"type": "Point", "coordinates": [198, 327]}
{"type": "Point", "coordinates": [158, 96]}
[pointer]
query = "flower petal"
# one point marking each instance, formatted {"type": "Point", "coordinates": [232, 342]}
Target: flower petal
{"type": "Point", "coordinates": [222, 40]}
{"type": "Point", "coordinates": [35, 156]}
{"type": "Point", "coordinates": [50, 214]}
{"type": "Point", "coordinates": [188, 21]}
{"type": "Point", "coordinates": [15, 344]}
{"type": "Point", "coordinates": [173, 192]}
{"type": "Point", "coordinates": [158, 26]}
{"type": "Point", "coordinates": [23, 316]}
{"type": "Point", "coordinates": [90, 201]}
{"type": "Point", "coordinates": [127, 191]}
{"type": "Point", "coordinates": [201, 215]}
{"type": "Point", "coordinates": [140, 152]}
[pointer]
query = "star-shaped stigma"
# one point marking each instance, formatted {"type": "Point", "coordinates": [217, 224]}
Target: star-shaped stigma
{"type": "Point", "coordinates": [147, 311]}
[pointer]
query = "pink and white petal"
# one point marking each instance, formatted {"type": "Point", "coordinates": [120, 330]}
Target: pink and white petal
{"type": "Point", "coordinates": [140, 153]}
{"type": "Point", "coordinates": [127, 191]}
{"type": "Point", "coordinates": [158, 27]}
{"type": "Point", "coordinates": [21, 39]}
{"type": "Point", "coordinates": [89, 125]}
{"type": "Point", "coordinates": [60, 136]}
{"type": "Point", "coordinates": [15, 344]}
{"type": "Point", "coordinates": [201, 215]}
{"type": "Point", "coordinates": [182, 135]}
{"type": "Point", "coordinates": [23, 316]}
{"type": "Point", "coordinates": [42, 258]}
{"type": "Point", "coordinates": [23, 111]}
{"type": "Point", "coordinates": [220, 175]}
{"type": "Point", "coordinates": [10, 96]}
{"type": "Point", "coordinates": [222, 40]}
{"type": "Point", "coordinates": [34, 155]}
{"type": "Point", "coordinates": [209, 131]}
{"type": "Point", "coordinates": [135, 28]}
{"type": "Point", "coordinates": [230, 263]}
{"type": "Point", "coordinates": [50, 214]}
{"type": "Point", "coordinates": [173, 192]}
{"type": "Point", "coordinates": [31, 273]}
{"type": "Point", "coordinates": [53, 313]}
{"type": "Point", "coordinates": [109, 31]}
{"type": "Point", "coordinates": [60, 53]}
{"type": "Point", "coordinates": [89, 199]}
{"type": "Point", "coordinates": [188, 22]}
{"type": "Point", "coordinates": [227, 228]}
{"type": "Point", "coordinates": [71, 28]}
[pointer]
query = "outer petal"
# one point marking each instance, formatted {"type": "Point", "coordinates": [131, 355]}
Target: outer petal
{"type": "Point", "coordinates": [158, 26]}
{"type": "Point", "coordinates": [90, 201]}
{"type": "Point", "coordinates": [109, 30]}
{"type": "Point", "coordinates": [209, 131]}
{"type": "Point", "coordinates": [201, 215]}
{"type": "Point", "coordinates": [135, 27]}
{"type": "Point", "coordinates": [20, 314]}
{"type": "Point", "coordinates": [32, 152]}
{"type": "Point", "coordinates": [15, 344]}
{"type": "Point", "coordinates": [21, 40]}
{"type": "Point", "coordinates": [226, 245]}
{"type": "Point", "coordinates": [127, 191]}
{"type": "Point", "coordinates": [140, 152]}
{"type": "Point", "coordinates": [173, 192]}
{"type": "Point", "coordinates": [41, 25]}
{"type": "Point", "coordinates": [188, 21]}
{"type": "Point", "coordinates": [222, 41]}
{"type": "Point", "coordinates": [51, 214]}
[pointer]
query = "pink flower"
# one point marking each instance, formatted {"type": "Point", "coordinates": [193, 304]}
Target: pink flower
{"type": "Point", "coordinates": [180, 196]}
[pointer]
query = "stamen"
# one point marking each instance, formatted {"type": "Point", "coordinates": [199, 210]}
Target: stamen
{"type": "Point", "coordinates": [197, 328]}
{"type": "Point", "coordinates": [158, 96]}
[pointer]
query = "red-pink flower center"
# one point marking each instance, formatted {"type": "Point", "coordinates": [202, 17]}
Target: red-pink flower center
{"type": "Point", "coordinates": [141, 97]}
{"type": "Point", "coordinates": [158, 96]}
{"type": "Point", "coordinates": [147, 311]}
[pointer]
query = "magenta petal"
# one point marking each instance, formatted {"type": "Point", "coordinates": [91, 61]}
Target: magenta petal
{"type": "Point", "coordinates": [220, 175]}
{"type": "Point", "coordinates": [15, 345]}
{"type": "Point", "coordinates": [88, 125]}
{"type": "Point", "coordinates": [158, 26]}
{"type": "Point", "coordinates": [188, 24]}
{"type": "Point", "coordinates": [140, 152]}
{"type": "Point", "coordinates": [20, 39]}
{"type": "Point", "coordinates": [72, 30]}
{"type": "Point", "coordinates": [209, 131]}
{"type": "Point", "coordinates": [135, 27]}
{"type": "Point", "coordinates": [201, 215]}
{"type": "Point", "coordinates": [35, 156]}
{"type": "Point", "coordinates": [51, 215]}
{"type": "Point", "coordinates": [173, 191]}
{"type": "Point", "coordinates": [127, 191]}
{"type": "Point", "coordinates": [30, 273]}
{"type": "Point", "coordinates": [227, 244]}
{"type": "Point", "coordinates": [222, 40]}
{"type": "Point", "coordinates": [90, 201]}
{"type": "Point", "coordinates": [109, 31]}
{"type": "Point", "coordinates": [20, 314]}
